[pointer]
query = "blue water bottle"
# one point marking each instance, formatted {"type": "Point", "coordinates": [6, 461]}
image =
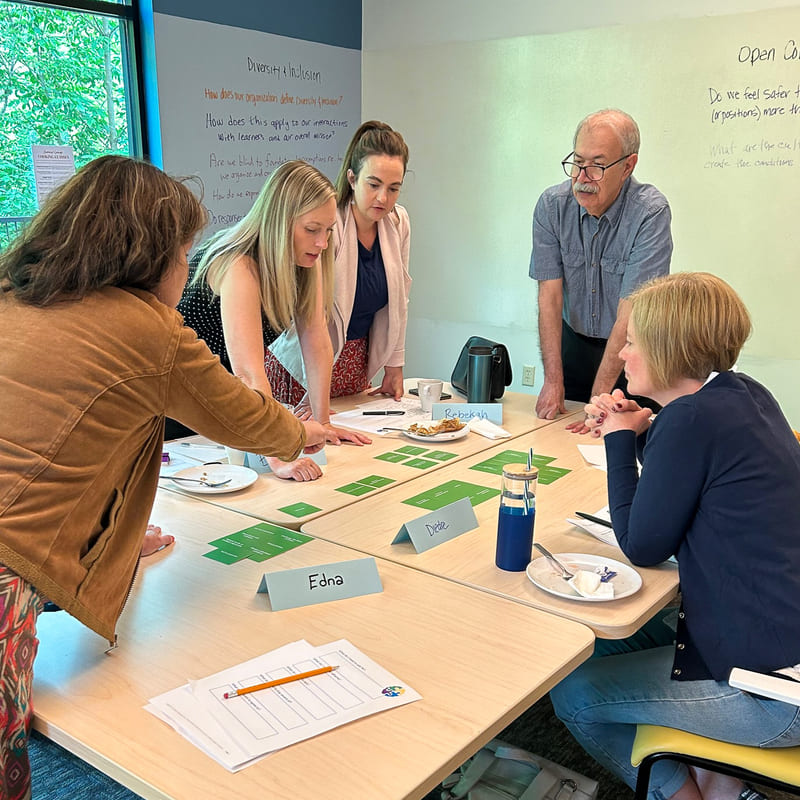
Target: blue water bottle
{"type": "Point", "coordinates": [516, 517]}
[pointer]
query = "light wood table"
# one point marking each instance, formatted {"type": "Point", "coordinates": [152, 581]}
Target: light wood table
{"type": "Point", "coordinates": [189, 617]}
{"type": "Point", "coordinates": [469, 559]}
{"type": "Point", "coordinates": [349, 466]}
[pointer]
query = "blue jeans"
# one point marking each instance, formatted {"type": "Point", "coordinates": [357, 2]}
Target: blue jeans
{"type": "Point", "coordinates": [604, 699]}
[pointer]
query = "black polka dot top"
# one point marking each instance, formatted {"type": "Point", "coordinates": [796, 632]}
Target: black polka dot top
{"type": "Point", "coordinates": [201, 312]}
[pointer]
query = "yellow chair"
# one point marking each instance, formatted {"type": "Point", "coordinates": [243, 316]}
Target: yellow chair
{"type": "Point", "coordinates": [778, 768]}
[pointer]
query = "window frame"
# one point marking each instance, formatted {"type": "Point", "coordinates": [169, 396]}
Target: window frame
{"type": "Point", "coordinates": [130, 19]}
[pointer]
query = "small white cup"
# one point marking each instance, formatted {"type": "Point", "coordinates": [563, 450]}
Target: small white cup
{"type": "Point", "coordinates": [235, 456]}
{"type": "Point", "coordinates": [430, 391]}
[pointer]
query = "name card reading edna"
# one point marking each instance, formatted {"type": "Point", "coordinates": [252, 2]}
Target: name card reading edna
{"type": "Point", "coordinates": [438, 526]}
{"type": "Point", "coordinates": [306, 586]}
{"type": "Point", "coordinates": [467, 411]}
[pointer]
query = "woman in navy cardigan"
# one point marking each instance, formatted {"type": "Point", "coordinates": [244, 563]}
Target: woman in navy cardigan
{"type": "Point", "coordinates": [719, 489]}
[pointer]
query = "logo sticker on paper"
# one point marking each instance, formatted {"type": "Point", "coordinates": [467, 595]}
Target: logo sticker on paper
{"type": "Point", "coordinates": [393, 691]}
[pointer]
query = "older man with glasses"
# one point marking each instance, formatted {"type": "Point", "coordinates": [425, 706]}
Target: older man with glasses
{"type": "Point", "coordinates": [596, 237]}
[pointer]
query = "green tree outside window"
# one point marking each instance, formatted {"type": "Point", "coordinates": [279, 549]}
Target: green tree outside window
{"type": "Point", "coordinates": [62, 82]}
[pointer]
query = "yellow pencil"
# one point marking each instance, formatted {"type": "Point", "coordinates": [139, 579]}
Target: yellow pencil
{"type": "Point", "coordinates": [288, 679]}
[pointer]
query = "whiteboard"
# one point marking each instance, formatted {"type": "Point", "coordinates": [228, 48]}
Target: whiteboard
{"type": "Point", "coordinates": [234, 104]}
{"type": "Point", "coordinates": [718, 103]}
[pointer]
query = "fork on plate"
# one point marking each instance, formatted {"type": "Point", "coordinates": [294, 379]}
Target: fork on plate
{"type": "Point", "coordinates": [565, 573]}
{"type": "Point", "coordinates": [201, 481]}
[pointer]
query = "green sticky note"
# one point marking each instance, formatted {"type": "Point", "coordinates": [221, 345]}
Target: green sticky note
{"type": "Point", "coordinates": [419, 463]}
{"type": "Point", "coordinates": [299, 509]}
{"type": "Point", "coordinates": [258, 543]}
{"type": "Point", "coordinates": [549, 474]}
{"type": "Point", "coordinates": [450, 492]}
{"type": "Point", "coordinates": [440, 455]}
{"type": "Point", "coordinates": [394, 458]}
{"type": "Point", "coordinates": [356, 489]}
{"type": "Point", "coordinates": [411, 450]}
{"type": "Point", "coordinates": [224, 557]}
{"type": "Point", "coordinates": [376, 481]}
{"type": "Point", "coordinates": [234, 547]}
{"type": "Point", "coordinates": [494, 465]}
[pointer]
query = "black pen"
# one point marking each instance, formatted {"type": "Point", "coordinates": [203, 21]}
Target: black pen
{"type": "Point", "coordinates": [382, 413]}
{"type": "Point", "coordinates": [593, 518]}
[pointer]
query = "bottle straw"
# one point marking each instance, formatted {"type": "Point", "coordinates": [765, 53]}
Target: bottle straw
{"type": "Point", "coordinates": [527, 482]}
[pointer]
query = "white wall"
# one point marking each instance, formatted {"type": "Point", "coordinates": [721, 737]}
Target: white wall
{"type": "Point", "coordinates": [389, 25]}
{"type": "Point", "coordinates": [488, 98]}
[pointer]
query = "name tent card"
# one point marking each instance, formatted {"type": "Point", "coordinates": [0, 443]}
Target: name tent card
{"type": "Point", "coordinates": [306, 586]}
{"type": "Point", "coordinates": [438, 526]}
{"type": "Point", "coordinates": [467, 411]}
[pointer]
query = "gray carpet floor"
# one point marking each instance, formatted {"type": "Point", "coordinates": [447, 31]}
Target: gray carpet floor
{"type": "Point", "coordinates": [58, 775]}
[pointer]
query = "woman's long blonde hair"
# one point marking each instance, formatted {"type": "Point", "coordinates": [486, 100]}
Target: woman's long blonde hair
{"type": "Point", "coordinates": [266, 234]}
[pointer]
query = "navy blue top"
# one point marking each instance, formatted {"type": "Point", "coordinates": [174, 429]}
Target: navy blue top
{"type": "Point", "coordinates": [372, 291]}
{"type": "Point", "coordinates": [720, 490]}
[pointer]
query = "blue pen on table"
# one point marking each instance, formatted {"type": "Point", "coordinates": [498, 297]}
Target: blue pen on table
{"type": "Point", "coordinates": [382, 413]}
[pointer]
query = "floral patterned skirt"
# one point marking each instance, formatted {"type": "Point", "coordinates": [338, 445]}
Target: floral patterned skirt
{"type": "Point", "coordinates": [20, 606]}
{"type": "Point", "coordinates": [349, 375]}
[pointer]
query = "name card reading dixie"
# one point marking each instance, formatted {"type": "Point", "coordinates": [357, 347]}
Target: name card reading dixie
{"type": "Point", "coordinates": [438, 526]}
{"type": "Point", "coordinates": [306, 586]}
{"type": "Point", "coordinates": [467, 411]}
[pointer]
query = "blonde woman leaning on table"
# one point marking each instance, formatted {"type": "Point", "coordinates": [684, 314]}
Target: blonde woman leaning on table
{"type": "Point", "coordinates": [720, 490]}
{"type": "Point", "coordinates": [94, 356]}
{"type": "Point", "coordinates": [371, 244]}
{"type": "Point", "coordinates": [269, 272]}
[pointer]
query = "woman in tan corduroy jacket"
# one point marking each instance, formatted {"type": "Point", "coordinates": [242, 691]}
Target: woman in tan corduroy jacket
{"type": "Point", "coordinates": [93, 357]}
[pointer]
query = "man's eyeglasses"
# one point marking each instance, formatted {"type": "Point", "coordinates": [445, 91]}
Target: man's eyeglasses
{"type": "Point", "coordinates": [593, 172]}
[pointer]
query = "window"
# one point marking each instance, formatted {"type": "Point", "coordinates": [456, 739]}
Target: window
{"type": "Point", "coordinates": [69, 79]}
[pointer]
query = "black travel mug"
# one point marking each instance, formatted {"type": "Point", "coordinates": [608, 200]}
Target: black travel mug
{"type": "Point", "coordinates": [479, 374]}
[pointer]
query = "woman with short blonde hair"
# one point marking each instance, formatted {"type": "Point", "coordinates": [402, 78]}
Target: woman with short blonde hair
{"type": "Point", "coordinates": [690, 326]}
{"type": "Point", "coordinates": [719, 491]}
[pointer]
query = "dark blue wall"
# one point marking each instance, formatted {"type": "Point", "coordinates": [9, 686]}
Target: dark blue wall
{"type": "Point", "coordinates": [335, 22]}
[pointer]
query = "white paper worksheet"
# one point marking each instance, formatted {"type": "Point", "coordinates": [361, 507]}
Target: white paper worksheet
{"type": "Point", "coordinates": [238, 730]}
{"type": "Point", "coordinates": [373, 424]}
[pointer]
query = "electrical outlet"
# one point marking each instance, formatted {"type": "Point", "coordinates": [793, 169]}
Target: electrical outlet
{"type": "Point", "coordinates": [528, 374]}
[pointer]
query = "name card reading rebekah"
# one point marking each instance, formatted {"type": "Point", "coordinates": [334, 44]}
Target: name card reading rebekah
{"type": "Point", "coordinates": [306, 586]}
{"type": "Point", "coordinates": [438, 526]}
{"type": "Point", "coordinates": [468, 411]}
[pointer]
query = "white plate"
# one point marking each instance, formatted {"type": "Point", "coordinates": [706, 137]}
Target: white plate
{"type": "Point", "coordinates": [240, 477]}
{"type": "Point", "coordinates": [626, 582]}
{"type": "Point", "coordinates": [448, 436]}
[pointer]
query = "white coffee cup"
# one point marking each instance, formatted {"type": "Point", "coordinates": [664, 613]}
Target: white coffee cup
{"type": "Point", "coordinates": [235, 456]}
{"type": "Point", "coordinates": [430, 391]}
